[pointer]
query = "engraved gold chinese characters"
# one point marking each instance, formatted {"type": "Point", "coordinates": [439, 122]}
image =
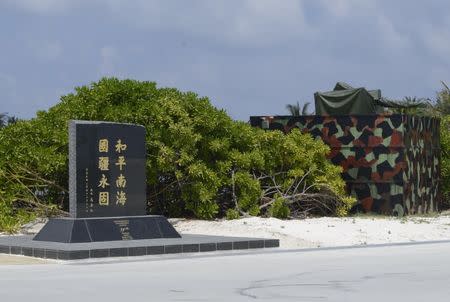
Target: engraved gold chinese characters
{"type": "Point", "coordinates": [103, 182]}
{"type": "Point", "coordinates": [103, 164]}
{"type": "Point", "coordinates": [103, 198]}
{"type": "Point", "coordinates": [121, 198]}
{"type": "Point", "coordinates": [103, 145]}
{"type": "Point", "coordinates": [121, 181]}
{"type": "Point", "coordinates": [120, 147]}
{"type": "Point", "coordinates": [121, 162]}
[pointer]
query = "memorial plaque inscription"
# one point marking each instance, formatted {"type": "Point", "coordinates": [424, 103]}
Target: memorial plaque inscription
{"type": "Point", "coordinates": [107, 169]}
{"type": "Point", "coordinates": [107, 187]}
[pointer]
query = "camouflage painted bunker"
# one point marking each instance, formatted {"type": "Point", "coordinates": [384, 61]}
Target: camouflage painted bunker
{"type": "Point", "coordinates": [391, 162]}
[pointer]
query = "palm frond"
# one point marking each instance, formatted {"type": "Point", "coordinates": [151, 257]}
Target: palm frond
{"type": "Point", "coordinates": [294, 110]}
{"type": "Point", "coordinates": [446, 87]}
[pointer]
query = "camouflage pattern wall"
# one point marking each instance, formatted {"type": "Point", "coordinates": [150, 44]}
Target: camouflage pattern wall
{"type": "Point", "coordinates": [423, 157]}
{"type": "Point", "coordinates": [390, 162]}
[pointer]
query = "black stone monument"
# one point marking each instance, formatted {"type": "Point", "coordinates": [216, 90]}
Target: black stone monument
{"type": "Point", "coordinates": [107, 187]}
{"type": "Point", "coordinates": [108, 203]}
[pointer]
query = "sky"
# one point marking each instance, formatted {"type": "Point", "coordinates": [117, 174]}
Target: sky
{"type": "Point", "coordinates": [250, 57]}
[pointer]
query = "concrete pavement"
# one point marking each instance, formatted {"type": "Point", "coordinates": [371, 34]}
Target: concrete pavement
{"type": "Point", "coordinates": [403, 273]}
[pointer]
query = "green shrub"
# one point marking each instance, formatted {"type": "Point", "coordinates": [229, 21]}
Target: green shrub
{"type": "Point", "coordinates": [445, 164]}
{"type": "Point", "coordinates": [232, 214]}
{"type": "Point", "coordinates": [11, 218]}
{"type": "Point", "coordinates": [441, 108]}
{"type": "Point", "coordinates": [200, 162]}
{"type": "Point", "coordinates": [279, 209]}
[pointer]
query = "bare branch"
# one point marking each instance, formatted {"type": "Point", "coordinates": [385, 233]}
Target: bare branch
{"type": "Point", "coordinates": [40, 178]}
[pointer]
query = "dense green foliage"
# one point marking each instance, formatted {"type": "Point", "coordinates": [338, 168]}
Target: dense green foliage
{"type": "Point", "coordinates": [442, 104]}
{"type": "Point", "coordinates": [445, 165]}
{"type": "Point", "coordinates": [441, 108]}
{"type": "Point", "coordinates": [199, 161]}
{"type": "Point", "coordinates": [279, 209]}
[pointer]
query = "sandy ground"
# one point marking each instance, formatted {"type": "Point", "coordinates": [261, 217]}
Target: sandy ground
{"type": "Point", "coordinates": [21, 260]}
{"type": "Point", "coordinates": [307, 233]}
{"type": "Point", "coordinates": [327, 231]}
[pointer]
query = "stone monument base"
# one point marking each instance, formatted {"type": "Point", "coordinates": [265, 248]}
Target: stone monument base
{"type": "Point", "coordinates": [79, 230]}
{"type": "Point", "coordinates": [188, 243]}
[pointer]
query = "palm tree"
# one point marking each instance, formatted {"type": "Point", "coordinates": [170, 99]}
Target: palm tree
{"type": "Point", "coordinates": [407, 105]}
{"type": "Point", "coordinates": [305, 109]}
{"type": "Point", "coordinates": [294, 110]}
{"type": "Point", "coordinates": [443, 100]}
{"type": "Point", "coordinates": [12, 120]}
{"type": "Point", "coordinates": [3, 120]}
{"type": "Point", "coordinates": [6, 120]}
{"type": "Point", "coordinates": [438, 108]}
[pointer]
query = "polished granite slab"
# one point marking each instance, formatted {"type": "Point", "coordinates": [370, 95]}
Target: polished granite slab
{"type": "Point", "coordinates": [188, 243]}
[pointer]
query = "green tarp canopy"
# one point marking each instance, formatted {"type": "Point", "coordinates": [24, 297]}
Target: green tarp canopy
{"type": "Point", "coordinates": [345, 99]}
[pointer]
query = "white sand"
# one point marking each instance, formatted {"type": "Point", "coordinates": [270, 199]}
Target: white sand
{"type": "Point", "coordinates": [307, 233]}
{"type": "Point", "coordinates": [315, 232]}
{"type": "Point", "coordinates": [325, 232]}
